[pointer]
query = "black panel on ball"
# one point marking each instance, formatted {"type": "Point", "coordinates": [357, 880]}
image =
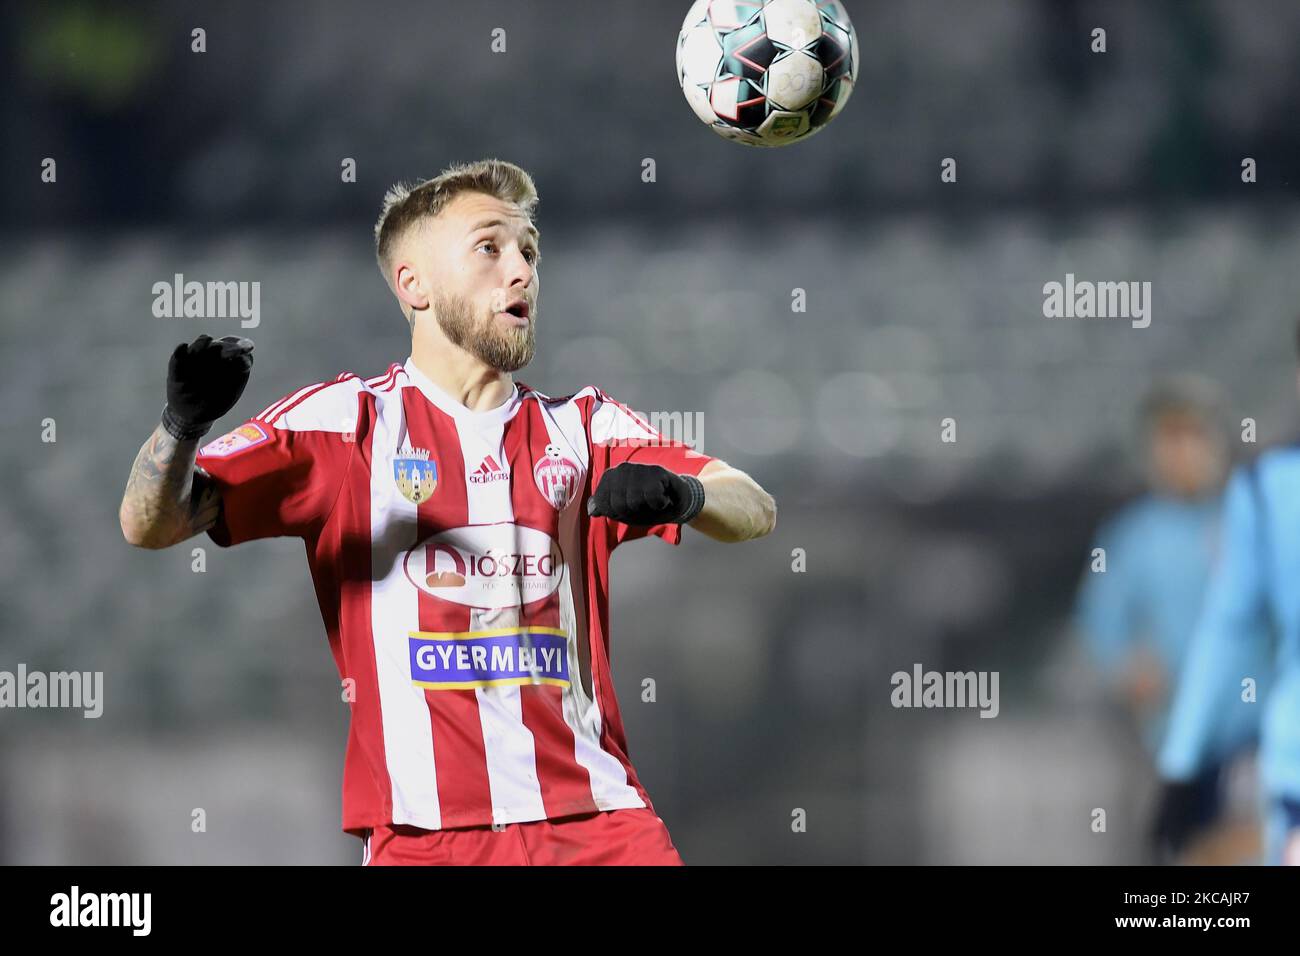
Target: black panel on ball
{"type": "Point", "coordinates": [747, 51]}
{"type": "Point", "coordinates": [832, 50]}
{"type": "Point", "coordinates": [820, 111]}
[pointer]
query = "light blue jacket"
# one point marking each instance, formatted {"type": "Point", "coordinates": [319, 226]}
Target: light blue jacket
{"type": "Point", "coordinates": [1252, 608]}
{"type": "Point", "coordinates": [1159, 554]}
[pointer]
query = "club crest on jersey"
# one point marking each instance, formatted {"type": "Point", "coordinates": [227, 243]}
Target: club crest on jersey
{"type": "Point", "coordinates": [245, 436]}
{"type": "Point", "coordinates": [556, 477]}
{"type": "Point", "coordinates": [415, 475]}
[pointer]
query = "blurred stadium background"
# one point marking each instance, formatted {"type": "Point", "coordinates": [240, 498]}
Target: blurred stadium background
{"type": "Point", "coordinates": [924, 301]}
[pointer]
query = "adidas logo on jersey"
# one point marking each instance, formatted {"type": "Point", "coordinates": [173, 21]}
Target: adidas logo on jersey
{"type": "Point", "coordinates": [488, 471]}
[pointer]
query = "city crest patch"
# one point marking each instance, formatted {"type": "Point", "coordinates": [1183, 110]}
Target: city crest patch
{"type": "Point", "coordinates": [415, 475]}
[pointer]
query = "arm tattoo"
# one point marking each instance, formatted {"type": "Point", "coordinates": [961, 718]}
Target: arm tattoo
{"type": "Point", "coordinates": [168, 499]}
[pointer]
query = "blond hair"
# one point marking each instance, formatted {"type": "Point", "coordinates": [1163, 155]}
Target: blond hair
{"type": "Point", "coordinates": [407, 204]}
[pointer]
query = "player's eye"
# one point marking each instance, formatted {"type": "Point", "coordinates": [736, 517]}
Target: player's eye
{"type": "Point", "coordinates": [530, 254]}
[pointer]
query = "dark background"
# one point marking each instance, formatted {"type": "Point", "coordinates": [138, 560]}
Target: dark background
{"type": "Point", "coordinates": [924, 302]}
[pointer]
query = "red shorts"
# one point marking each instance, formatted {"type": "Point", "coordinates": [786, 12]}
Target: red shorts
{"type": "Point", "coordinates": [631, 837]}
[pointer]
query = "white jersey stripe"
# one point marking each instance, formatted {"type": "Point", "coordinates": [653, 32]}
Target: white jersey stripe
{"type": "Point", "coordinates": [266, 414]}
{"type": "Point", "coordinates": [380, 380]}
{"type": "Point", "coordinates": [395, 612]}
{"type": "Point", "coordinates": [609, 787]}
{"type": "Point", "coordinates": [508, 744]}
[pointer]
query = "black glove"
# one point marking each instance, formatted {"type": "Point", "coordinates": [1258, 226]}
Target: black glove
{"type": "Point", "coordinates": [204, 380]}
{"type": "Point", "coordinates": [1180, 815]}
{"type": "Point", "coordinates": [646, 495]}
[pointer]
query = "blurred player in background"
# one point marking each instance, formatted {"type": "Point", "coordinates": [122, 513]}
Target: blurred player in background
{"type": "Point", "coordinates": [458, 528]}
{"type": "Point", "coordinates": [1254, 596]}
{"type": "Point", "coordinates": [1138, 615]}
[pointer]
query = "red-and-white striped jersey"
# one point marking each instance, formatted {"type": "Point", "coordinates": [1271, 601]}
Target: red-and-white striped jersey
{"type": "Point", "coordinates": [463, 587]}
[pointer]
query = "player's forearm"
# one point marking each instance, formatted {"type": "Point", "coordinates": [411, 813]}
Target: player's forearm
{"type": "Point", "coordinates": [166, 501]}
{"type": "Point", "coordinates": [736, 508]}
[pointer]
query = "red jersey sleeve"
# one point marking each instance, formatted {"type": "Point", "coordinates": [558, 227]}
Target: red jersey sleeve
{"type": "Point", "coordinates": [277, 478]}
{"type": "Point", "coordinates": [620, 435]}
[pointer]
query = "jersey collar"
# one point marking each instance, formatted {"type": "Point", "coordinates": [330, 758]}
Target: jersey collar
{"type": "Point", "coordinates": [493, 416]}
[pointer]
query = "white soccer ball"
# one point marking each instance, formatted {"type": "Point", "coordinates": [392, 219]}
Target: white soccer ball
{"type": "Point", "coordinates": [767, 72]}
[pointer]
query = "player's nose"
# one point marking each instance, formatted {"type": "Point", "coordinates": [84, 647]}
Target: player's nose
{"type": "Point", "coordinates": [521, 272]}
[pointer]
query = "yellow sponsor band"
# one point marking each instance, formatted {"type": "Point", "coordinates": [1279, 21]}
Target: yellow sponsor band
{"type": "Point", "coordinates": [502, 682]}
{"type": "Point", "coordinates": [478, 635]}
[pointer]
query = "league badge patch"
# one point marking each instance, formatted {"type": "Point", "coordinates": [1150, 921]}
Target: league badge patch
{"type": "Point", "coordinates": [556, 477]}
{"type": "Point", "coordinates": [415, 475]}
{"type": "Point", "coordinates": [245, 436]}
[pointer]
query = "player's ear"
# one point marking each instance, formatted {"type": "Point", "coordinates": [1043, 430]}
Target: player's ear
{"type": "Point", "coordinates": [408, 287]}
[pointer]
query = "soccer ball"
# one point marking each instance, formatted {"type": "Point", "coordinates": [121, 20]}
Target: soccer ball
{"type": "Point", "coordinates": [767, 72]}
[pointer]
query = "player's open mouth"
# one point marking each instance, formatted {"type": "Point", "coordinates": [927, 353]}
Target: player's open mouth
{"type": "Point", "coordinates": [518, 311]}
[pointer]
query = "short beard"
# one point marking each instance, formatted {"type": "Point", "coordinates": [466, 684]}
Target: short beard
{"type": "Point", "coordinates": [505, 351]}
